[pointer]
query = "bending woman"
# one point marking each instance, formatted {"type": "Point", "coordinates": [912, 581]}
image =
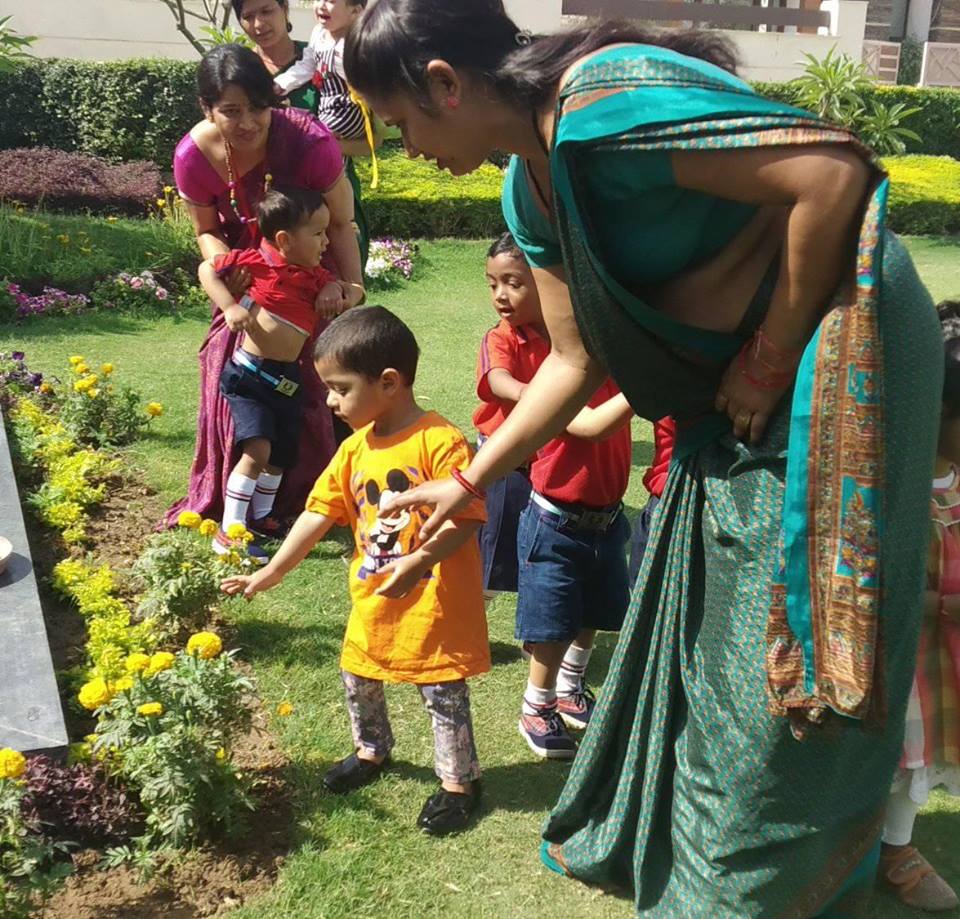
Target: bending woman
{"type": "Point", "coordinates": [222, 167]}
{"type": "Point", "coordinates": [724, 258]}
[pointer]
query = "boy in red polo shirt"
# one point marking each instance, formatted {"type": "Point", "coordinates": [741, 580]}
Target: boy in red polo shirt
{"type": "Point", "coordinates": [572, 533]}
{"type": "Point", "coordinates": [261, 381]}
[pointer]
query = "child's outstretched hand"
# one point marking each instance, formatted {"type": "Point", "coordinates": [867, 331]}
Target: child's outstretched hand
{"type": "Point", "coordinates": [404, 573]}
{"type": "Point", "coordinates": [250, 584]}
{"type": "Point", "coordinates": [330, 301]}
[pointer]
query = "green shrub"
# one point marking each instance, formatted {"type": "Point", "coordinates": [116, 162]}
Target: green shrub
{"type": "Point", "coordinates": [937, 123]}
{"type": "Point", "coordinates": [924, 194]}
{"type": "Point", "coordinates": [415, 199]}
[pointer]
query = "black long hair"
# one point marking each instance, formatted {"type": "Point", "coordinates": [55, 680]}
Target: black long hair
{"type": "Point", "coordinates": [234, 65]}
{"type": "Point", "coordinates": [283, 4]}
{"type": "Point", "coordinates": [949, 312]}
{"type": "Point", "coordinates": [387, 50]}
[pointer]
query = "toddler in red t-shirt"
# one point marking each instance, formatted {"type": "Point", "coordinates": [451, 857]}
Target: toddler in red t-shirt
{"type": "Point", "coordinates": [562, 520]}
{"type": "Point", "coordinates": [261, 381]}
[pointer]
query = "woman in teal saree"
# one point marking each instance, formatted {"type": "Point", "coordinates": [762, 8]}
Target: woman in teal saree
{"type": "Point", "coordinates": [725, 259]}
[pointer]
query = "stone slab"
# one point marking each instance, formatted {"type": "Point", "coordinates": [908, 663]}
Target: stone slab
{"type": "Point", "coordinates": [31, 717]}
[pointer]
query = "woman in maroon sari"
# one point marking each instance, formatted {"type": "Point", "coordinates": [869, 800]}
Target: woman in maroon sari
{"type": "Point", "coordinates": [222, 167]}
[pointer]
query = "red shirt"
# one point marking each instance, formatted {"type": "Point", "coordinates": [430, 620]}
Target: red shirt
{"type": "Point", "coordinates": [286, 291]}
{"type": "Point", "coordinates": [518, 351]}
{"type": "Point", "coordinates": [576, 471]}
{"type": "Point", "coordinates": [664, 434]}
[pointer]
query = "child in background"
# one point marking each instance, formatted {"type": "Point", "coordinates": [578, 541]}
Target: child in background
{"type": "Point", "coordinates": [570, 539]}
{"type": "Point", "coordinates": [261, 382]}
{"type": "Point", "coordinates": [931, 751]}
{"type": "Point", "coordinates": [417, 610]}
{"type": "Point", "coordinates": [322, 62]}
{"type": "Point", "coordinates": [664, 434]}
{"type": "Point", "coordinates": [509, 356]}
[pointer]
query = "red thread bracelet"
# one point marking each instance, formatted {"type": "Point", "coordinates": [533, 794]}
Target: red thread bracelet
{"type": "Point", "coordinates": [464, 483]}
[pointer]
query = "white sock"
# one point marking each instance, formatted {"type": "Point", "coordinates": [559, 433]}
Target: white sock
{"type": "Point", "coordinates": [263, 497]}
{"type": "Point", "coordinates": [236, 502]}
{"type": "Point", "coordinates": [572, 670]}
{"type": "Point", "coordinates": [899, 818]}
{"type": "Point", "coordinates": [535, 699]}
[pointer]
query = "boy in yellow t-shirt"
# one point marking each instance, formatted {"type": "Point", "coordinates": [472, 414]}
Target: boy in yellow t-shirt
{"type": "Point", "coordinates": [417, 607]}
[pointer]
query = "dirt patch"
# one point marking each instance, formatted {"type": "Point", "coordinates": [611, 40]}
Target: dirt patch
{"type": "Point", "coordinates": [212, 879]}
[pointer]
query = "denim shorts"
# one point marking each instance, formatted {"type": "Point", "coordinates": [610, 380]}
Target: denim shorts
{"type": "Point", "coordinates": [260, 411]}
{"type": "Point", "coordinates": [506, 499]}
{"type": "Point", "coordinates": [641, 536]}
{"type": "Point", "coordinates": [570, 579]}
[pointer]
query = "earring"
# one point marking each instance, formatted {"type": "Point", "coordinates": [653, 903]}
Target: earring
{"type": "Point", "coordinates": [452, 101]}
{"type": "Point", "coordinates": [289, 26]}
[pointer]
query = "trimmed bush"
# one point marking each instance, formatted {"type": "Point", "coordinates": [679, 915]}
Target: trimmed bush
{"type": "Point", "coordinates": [937, 122]}
{"type": "Point", "coordinates": [75, 181]}
{"type": "Point", "coordinates": [415, 199]}
{"type": "Point", "coordinates": [924, 194]}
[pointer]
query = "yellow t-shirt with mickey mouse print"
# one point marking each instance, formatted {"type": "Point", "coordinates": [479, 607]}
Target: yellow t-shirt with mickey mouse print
{"type": "Point", "coordinates": [438, 631]}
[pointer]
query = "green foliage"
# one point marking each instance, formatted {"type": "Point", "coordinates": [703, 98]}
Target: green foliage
{"type": "Point", "coordinates": [180, 577]}
{"type": "Point", "coordinates": [834, 88]}
{"type": "Point", "coordinates": [925, 194]}
{"type": "Point", "coordinates": [936, 124]}
{"type": "Point", "coordinates": [13, 47]}
{"type": "Point", "coordinates": [415, 199]}
{"type": "Point", "coordinates": [38, 249]}
{"type": "Point", "coordinates": [224, 36]}
{"type": "Point", "coordinates": [29, 870]}
{"type": "Point", "coordinates": [169, 736]}
{"type": "Point", "coordinates": [911, 60]}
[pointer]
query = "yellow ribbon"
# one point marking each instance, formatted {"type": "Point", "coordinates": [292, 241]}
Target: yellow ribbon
{"type": "Point", "coordinates": [371, 141]}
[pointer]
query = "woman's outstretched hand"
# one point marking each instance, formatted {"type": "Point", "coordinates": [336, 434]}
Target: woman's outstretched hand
{"type": "Point", "coordinates": [446, 496]}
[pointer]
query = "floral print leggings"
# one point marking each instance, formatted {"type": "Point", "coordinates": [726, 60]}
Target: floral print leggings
{"type": "Point", "coordinates": [455, 752]}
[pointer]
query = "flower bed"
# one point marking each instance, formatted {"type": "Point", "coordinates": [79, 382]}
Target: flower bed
{"type": "Point", "coordinates": [164, 703]}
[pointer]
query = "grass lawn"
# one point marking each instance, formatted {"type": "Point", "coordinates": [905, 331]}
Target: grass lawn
{"type": "Point", "coordinates": [360, 855]}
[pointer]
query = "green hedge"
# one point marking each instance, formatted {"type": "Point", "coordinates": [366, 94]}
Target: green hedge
{"type": "Point", "coordinates": [415, 199]}
{"type": "Point", "coordinates": [937, 122]}
{"type": "Point", "coordinates": [139, 109]}
{"type": "Point", "coordinates": [924, 194]}
{"type": "Point", "coordinates": [121, 110]}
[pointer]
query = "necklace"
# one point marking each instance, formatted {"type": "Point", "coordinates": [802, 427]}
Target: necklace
{"type": "Point", "coordinates": [232, 186]}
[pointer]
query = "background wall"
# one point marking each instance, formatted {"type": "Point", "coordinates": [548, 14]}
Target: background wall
{"type": "Point", "coordinates": [116, 29]}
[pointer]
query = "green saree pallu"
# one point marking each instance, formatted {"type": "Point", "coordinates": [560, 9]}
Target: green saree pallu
{"type": "Point", "coordinates": [741, 752]}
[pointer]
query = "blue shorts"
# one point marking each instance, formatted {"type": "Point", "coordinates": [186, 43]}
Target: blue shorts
{"type": "Point", "coordinates": [259, 411]}
{"type": "Point", "coordinates": [570, 579]}
{"type": "Point", "coordinates": [506, 499]}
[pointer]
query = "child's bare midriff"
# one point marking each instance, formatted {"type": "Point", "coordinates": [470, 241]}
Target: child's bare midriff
{"type": "Point", "coordinates": [271, 339]}
{"type": "Point", "coordinates": [716, 295]}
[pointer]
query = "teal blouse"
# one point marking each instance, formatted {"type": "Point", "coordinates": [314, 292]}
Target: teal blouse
{"type": "Point", "coordinates": [645, 227]}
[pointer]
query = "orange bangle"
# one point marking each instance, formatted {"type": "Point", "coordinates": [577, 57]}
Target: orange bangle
{"type": "Point", "coordinates": [467, 485]}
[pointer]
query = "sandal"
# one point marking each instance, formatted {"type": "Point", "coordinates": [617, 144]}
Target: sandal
{"type": "Point", "coordinates": [352, 773]}
{"type": "Point", "coordinates": [449, 811]}
{"type": "Point", "coordinates": [552, 857]}
{"type": "Point", "coordinates": [915, 881]}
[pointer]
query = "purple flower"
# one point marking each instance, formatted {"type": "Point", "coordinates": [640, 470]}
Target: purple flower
{"type": "Point", "coordinates": [136, 283]}
{"type": "Point", "coordinates": [161, 293]}
{"type": "Point", "coordinates": [18, 355]}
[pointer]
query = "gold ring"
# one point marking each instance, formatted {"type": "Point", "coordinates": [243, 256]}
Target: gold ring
{"type": "Point", "coordinates": [744, 418]}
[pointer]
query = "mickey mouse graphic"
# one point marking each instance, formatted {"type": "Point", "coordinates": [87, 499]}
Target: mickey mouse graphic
{"type": "Point", "coordinates": [382, 542]}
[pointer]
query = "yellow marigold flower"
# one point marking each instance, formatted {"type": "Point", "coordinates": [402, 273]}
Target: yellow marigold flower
{"type": "Point", "coordinates": [167, 189]}
{"type": "Point", "coordinates": [124, 684]}
{"type": "Point", "coordinates": [150, 709]}
{"type": "Point", "coordinates": [111, 219]}
{"type": "Point", "coordinates": [154, 409]}
{"type": "Point", "coordinates": [106, 369]}
{"type": "Point", "coordinates": [81, 368]}
{"type": "Point", "coordinates": [221, 755]}
{"type": "Point", "coordinates": [285, 709]}
{"type": "Point", "coordinates": [93, 393]}
{"type": "Point", "coordinates": [46, 389]}
{"type": "Point", "coordinates": [189, 519]}
{"type": "Point", "coordinates": [239, 531]}
{"type": "Point", "coordinates": [12, 764]}
{"type": "Point", "coordinates": [80, 386]}
{"type": "Point", "coordinates": [75, 359]}
{"type": "Point", "coordinates": [161, 202]}
{"type": "Point", "coordinates": [185, 566]}
{"type": "Point", "coordinates": [209, 528]}
{"type": "Point", "coordinates": [94, 694]}
{"type": "Point", "coordinates": [160, 661]}
{"type": "Point", "coordinates": [64, 239]}
{"type": "Point", "coordinates": [205, 645]}
{"type": "Point", "coordinates": [90, 738]}
{"type": "Point", "coordinates": [137, 663]}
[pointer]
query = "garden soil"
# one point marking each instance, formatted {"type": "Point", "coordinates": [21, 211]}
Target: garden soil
{"type": "Point", "coordinates": [211, 880]}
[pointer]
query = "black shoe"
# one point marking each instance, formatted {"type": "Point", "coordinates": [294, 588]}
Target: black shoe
{"type": "Point", "coordinates": [351, 773]}
{"type": "Point", "coordinates": [449, 811]}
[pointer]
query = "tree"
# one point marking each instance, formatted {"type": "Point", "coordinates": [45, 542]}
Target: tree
{"type": "Point", "coordinates": [215, 16]}
{"type": "Point", "coordinates": [13, 46]}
